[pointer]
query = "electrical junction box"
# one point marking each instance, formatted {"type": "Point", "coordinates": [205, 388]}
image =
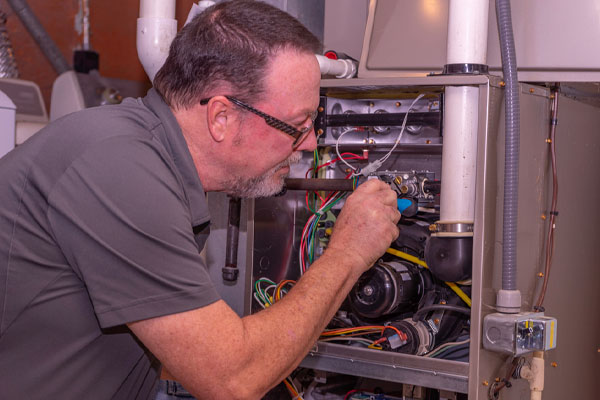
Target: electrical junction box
{"type": "Point", "coordinates": [519, 333]}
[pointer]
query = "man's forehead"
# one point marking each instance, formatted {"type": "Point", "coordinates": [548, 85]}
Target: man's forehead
{"type": "Point", "coordinates": [288, 69]}
{"type": "Point", "coordinates": [294, 76]}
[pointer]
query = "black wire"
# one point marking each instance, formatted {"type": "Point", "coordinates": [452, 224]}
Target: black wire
{"type": "Point", "coordinates": [445, 307]}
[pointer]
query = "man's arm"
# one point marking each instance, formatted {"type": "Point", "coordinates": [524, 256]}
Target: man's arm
{"type": "Point", "coordinates": [215, 354]}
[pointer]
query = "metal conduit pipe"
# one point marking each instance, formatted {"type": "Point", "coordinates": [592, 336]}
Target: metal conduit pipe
{"type": "Point", "coordinates": [39, 34]}
{"type": "Point", "coordinates": [509, 298]}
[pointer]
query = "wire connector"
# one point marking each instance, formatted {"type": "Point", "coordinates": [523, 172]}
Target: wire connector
{"type": "Point", "coordinates": [371, 167]}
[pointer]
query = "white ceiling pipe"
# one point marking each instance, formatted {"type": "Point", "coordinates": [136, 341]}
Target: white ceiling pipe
{"type": "Point", "coordinates": [449, 249]}
{"type": "Point", "coordinates": [467, 32]}
{"type": "Point", "coordinates": [337, 68]}
{"type": "Point", "coordinates": [156, 28]}
{"type": "Point", "coordinates": [467, 44]}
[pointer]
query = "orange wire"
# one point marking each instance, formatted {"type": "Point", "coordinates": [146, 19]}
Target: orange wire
{"type": "Point", "coordinates": [280, 286]}
{"type": "Point", "coordinates": [290, 388]}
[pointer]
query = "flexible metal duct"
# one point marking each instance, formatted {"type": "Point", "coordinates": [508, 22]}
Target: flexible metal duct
{"type": "Point", "coordinates": [39, 34]}
{"type": "Point", "coordinates": [8, 65]}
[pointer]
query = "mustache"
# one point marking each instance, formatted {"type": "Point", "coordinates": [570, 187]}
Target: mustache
{"type": "Point", "coordinates": [292, 159]}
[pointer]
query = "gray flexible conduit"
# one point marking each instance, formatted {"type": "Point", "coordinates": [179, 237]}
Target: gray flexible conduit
{"type": "Point", "coordinates": [511, 157]}
{"type": "Point", "coordinates": [39, 34]}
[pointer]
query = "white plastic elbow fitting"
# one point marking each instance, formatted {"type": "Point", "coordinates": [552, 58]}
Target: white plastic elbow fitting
{"type": "Point", "coordinates": [156, 29]}
{"type": "Point", "coordinates": [337, 68]}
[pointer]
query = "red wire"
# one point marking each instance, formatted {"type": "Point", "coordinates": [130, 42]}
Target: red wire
{"type": "Point", "coordinates": [401, 334]}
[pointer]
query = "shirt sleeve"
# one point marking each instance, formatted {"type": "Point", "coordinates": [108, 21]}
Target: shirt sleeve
{"type": "Point", "coordinates": [121, 217]}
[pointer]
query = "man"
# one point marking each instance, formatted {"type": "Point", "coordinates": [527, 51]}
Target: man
{"type": "Point", "coordinates": [103, 216]}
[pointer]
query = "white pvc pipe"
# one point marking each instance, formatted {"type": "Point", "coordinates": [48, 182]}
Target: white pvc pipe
{"type": "Point", "coordinates": [457, 202]}
{"type": "Point", "coordinates": [467, 32]}
{"type": "Point", "coordinates": [156, 29]}
{"type": "Point", "coordinates": [337, 68]}
{"type": "Point", "coordinates": [157, 9]}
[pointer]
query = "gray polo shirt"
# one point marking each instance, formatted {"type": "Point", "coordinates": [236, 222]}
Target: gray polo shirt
{"type": "Point", "coordinates": [102, 217]}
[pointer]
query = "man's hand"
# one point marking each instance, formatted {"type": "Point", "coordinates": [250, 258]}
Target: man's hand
{"type": "Point", "coordinates": [367, 224]}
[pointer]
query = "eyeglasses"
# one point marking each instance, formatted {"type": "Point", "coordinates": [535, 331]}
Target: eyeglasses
{"type": "Point", "coordinates": [273, 122]}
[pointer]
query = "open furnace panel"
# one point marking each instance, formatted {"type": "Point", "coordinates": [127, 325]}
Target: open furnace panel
{"type": "Point", "coordinates": [400, 323]}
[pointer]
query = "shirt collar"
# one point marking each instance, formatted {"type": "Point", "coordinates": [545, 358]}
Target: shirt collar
{"type": "Point", "coordinates": [172, 138]}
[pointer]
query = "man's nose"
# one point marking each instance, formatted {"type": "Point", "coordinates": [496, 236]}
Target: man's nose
{"type": "Point", "coordinates": [309, 143]}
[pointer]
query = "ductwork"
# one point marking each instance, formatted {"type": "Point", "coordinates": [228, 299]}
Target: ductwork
{"type": "Point", "coordinates": [8, 65]}
{"type": "Point", "coordinates": [39, 34]}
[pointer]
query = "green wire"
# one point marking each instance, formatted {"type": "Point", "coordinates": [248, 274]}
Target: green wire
{"type": "Point", "coordinates": [313, 233]}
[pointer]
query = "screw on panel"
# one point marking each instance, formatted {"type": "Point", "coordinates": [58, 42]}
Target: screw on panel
{"type": "Point", "coordinates": [543, 216]}
{"type": "Point", "coordinates": [320, 109]}
{"type": "Point", "coordinates": [532, 90]}
{"type": "Point", "coordinates": [502, 83]}
{"type": "Point", "coordinates": [398, 104]}
{"type": "Point", "coordinates": [485, 383]}
{"type": "Point", "coordinates": [371, 141]}
{"type": "Point", "coordinates": [554, 364]}
{"type": "Point", "coordinates": [371, 104]}
{"type": "Point", "coordinates": [548, 140]}
{"type": "Point", "coordinates": [398, 180]}
{"type": "Point", "coordinates": [540, 274]}
{"type": "Point", "coordinates": [428, 141]}
{"type": "Point", "coordinates": [433, 228]}
{"type": "Point", "coordinates": [319, 132]}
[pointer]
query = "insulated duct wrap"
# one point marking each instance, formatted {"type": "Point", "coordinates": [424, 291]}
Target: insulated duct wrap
{"type": "Point", "coordinates": [39, 34]}
{"type": "Point", "coordinates": [8, 65]}
{"type": "Point", "coordinates": [511, 160]}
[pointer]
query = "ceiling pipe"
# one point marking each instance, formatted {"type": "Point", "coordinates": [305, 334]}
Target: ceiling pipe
{"type": "Point", "coordinates": [449, 250]}
{"type": "Point", "coordinates": [156, 29]}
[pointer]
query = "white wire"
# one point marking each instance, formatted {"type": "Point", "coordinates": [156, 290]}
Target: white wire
{"type": "Point", "coordinates": [385, 157]}
{"type": "Point", "coordinates": [337, 148]}
{"type": "Point", "coordinates": [345, 339]}
{"type": "Point", "coordinates": [256, 296]}
{"type": "Point", "coordinates": [445, 346]}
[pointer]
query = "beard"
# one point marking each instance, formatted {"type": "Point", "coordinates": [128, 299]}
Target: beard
{"type": "Point", "coordinates": [265, 185]}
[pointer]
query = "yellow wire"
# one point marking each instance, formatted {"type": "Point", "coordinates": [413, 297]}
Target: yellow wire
{"type": "Point", "coordinates": [422, 263]}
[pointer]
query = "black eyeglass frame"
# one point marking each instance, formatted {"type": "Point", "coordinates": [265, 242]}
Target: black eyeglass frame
{"type": "Point", "coordinates": [272, 121]}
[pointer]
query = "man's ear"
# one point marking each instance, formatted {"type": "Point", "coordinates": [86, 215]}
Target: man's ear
{"type": "Point", "coordinates": [220, 118]}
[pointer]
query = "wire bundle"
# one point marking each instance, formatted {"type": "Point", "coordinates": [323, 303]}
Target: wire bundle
{"type": "Point", "coordinates": [451, 350]}
{"type": "Point", "coordinates": [357, 333]}
{"type": "Point", "coordinates": [319, 206]}
{"type": "Point", "coordinates": [263, 297]}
